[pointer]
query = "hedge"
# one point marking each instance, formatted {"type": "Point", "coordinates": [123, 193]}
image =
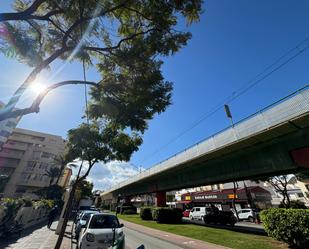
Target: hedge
{"type": "Point", "coordinates": [146, 213]}
{"type": "Point", "coordinates": [167, 215]}
{"type": "Point", "coordinates": [127, 208]}
{"type": "Point", "coordinates": [129, 211]}
{"type": "Point", "coordinates": [288, 225]}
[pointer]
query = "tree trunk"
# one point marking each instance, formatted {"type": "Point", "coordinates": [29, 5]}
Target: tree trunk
{"type": "Point", "coordinates": [68, 209]}
{"type": "Point", "coordinates": [234, 198]}
{"type": "Point", "coordinates": [66, 216]}
{"type": "Point", "coordinates": [249, 196]}
{"type": "Point", "coordinates": [287, 198]}
{"type": "Point", "coordinates": [62, 168]}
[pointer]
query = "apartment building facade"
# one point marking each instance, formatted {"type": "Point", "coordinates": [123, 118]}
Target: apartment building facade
{"type": "Point", "coordinates": [25, 158]}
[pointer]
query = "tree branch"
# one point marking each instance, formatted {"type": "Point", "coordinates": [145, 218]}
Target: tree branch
{"type": "Point", "coordinates": [109, 49]}
{"type": "Point", "coordinates": [85, 19]}
{"type": "Point", "coordinates": [12, 102]}
{"type": "Point", "coordinates": [27, 14]}
{"type": "Point", "coordinates": [35, 107]}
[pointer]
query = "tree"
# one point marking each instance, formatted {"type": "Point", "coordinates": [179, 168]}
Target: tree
{"type": "Point", "coordinates": [280, 183]}
{"type": "Point", "coordinates": [92, 143]}
{"type": "Point", "coordinates": [123, 39]}
{"type": "Point", "coordinates": [126, 41]}
{"type": "Point", "coordinates": [3, 181]}
{"type": "Point", "coordinates": [52, 173]}
{"type": "Point", "coordinates": [63, 161]}
{"type": "Point", "coordinates": [83, 190]}
{"type": "Point", "coordinates": [52, 192]}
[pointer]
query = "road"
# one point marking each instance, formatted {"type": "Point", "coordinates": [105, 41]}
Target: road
{"type": "Point", "coordinates": [134, 239]}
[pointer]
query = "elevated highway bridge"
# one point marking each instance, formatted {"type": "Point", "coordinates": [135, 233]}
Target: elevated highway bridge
{"type": "Point", "coordinates": [272, 141]}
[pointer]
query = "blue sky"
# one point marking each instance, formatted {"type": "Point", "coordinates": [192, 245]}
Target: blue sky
{"type": "Point", "coordinates": [233, 42]}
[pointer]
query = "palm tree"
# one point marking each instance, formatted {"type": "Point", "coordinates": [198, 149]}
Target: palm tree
{"type": "Point", "coordinates": [63, 161]}
{"type": "Point", "coordinates": [60, 160]}
{"type": "Point", "coordinates": [52, 173]}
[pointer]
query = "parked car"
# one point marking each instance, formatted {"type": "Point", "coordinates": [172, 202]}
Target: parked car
{"type": "Point", "coordinates": [186, 213]}
{"type": "Point", "coordinates": [247, 214]}
{"type": "Point", "coordinates": [199, 212]}
{"type": "Point", "coordinates": [220, 217]}
{"type": "Point", "coordinates": [82, 219]}
{"type": "Point", "coordinates": [102, 231]}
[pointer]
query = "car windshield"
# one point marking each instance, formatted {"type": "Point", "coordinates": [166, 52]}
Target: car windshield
{"type": "Point", "coordinates": [104, 221]}
{"type": "Point", "coordinates": [86, 216]}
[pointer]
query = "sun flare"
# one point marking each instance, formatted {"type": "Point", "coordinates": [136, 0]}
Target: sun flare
{"type": "Point", "coordinates": [37, 87]}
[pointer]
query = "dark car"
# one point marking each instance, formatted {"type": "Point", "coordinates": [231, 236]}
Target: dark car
{"type": "Point", "coordinates": [220, 217]}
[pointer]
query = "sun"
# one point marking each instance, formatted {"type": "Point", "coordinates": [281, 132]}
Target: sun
{"type": "Point", "coordinates": [37, 87]}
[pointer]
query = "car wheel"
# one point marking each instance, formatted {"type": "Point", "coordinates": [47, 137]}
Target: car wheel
{"type": "Point", "coordinates": [251, 219]}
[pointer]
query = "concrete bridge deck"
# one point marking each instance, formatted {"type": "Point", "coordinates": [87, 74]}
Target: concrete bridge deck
{"type": "Point", "coordinates": [258, 145]}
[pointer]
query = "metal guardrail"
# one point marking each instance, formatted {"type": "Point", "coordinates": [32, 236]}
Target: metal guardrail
{"type": "Point", "coordinates": [281, 111]}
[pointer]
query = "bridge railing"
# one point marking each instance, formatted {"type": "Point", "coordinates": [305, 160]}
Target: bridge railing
{"type": "Point", "coordinates": [281, 111]}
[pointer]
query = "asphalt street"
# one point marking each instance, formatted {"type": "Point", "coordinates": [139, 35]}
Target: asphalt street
{"type": "Point", "coordinates": [135, 239]}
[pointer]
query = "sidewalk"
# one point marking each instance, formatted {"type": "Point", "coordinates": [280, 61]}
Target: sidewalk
{"type": "Point", "coordinates": [39, 237]}
{"type": "Point", "coordinates": [181, 241]}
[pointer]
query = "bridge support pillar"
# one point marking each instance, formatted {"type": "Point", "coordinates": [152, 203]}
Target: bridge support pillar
{"type": "Point", "coordinates": [301, 157]}
{"type": "Point", "coordinates": [127, 200]}
{"type": "Point", "coordinates": [160, 200]}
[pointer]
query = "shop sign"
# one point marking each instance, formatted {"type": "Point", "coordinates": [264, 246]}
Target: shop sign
{"type": "Point", "coordinates": [231, 196]}
{"type": "Point", "coordinates": [205, 197]}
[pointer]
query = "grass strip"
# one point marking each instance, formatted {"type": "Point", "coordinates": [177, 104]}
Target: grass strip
{"type": "Point", "coordinates": [232, 239]}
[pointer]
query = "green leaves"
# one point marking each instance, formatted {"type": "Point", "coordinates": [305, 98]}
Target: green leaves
{"type": "Point", "coordinates": [125, 39]}
{"type": "Point", "coordinates": [92, 143]}
{"type": "Point", "coordinates": [24, 44]}
{"type": "Point", "coordinates": [288, 225]}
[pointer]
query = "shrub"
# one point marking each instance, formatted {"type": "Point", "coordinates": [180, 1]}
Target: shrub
{"type": "Point", "coordinates": [126, 208]}
{"type": "Point", "coordinates": [27, 203]}
{"type": "Point", "coordinates": [288, 225]}
{"type": "Point", "coordinates": [167, 215]}
{"type": "Point", "coordinates": [129, 211]}
{"type": "Point", "coordinates": [146, 213]}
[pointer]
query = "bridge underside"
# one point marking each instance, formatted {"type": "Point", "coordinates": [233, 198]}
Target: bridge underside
{"type": "Point", "coordinates": [267, 153]}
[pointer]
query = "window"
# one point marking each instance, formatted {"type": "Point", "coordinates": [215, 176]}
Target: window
{"type": "Point", "coordinates": [13, 152]}
{"type": "Point", "coordinates": [36, 155]}
{"type": "Point", "coordinates": [31, 165]}
{"type": "Point", "coordinates": [103, 221]}
{"type": "Point", "coordinates": [197, 209]}
{"type": "Point", "coordinates": [300, 195]}
{"type": "Point", "coordinates": [37, 138]}
{"type": "Point", "coordinates": [48, 155]}
{"type": "Point", "coordinates": [20, 190]}
{"type": "Point", "coordinates": [11, 124]}
{"type": "Point", "coordinates": [18, 143]}
{"type": "Point", "coordinates": [4, 133]}
{"type": "Point", "coordinates": [8, 162]}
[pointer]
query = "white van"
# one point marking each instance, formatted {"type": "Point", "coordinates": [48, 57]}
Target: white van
{"type": "Point", "coordinates": [199, 212]}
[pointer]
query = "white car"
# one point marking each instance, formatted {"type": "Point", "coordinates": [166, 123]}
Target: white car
{"type": "Point", "coordinates": [82, 220]}
{"type": "Point", "coordinates": [247, 214]}
{"type": "Point", "coordinates": [199, 212]}
{"type": "Point", "coordinates": [102, 231]}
